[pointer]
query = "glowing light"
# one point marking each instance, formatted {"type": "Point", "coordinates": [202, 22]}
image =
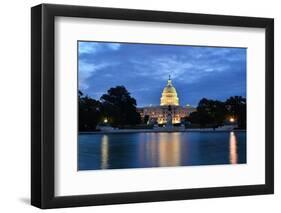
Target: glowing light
{"type": "Point", "coordinates": [105, 120]}
{"type": "Point", "coordinates": [231, 119]}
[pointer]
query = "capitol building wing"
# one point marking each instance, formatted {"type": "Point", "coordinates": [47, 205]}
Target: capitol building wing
{"type": "Point", "coordinates": [169, 110]}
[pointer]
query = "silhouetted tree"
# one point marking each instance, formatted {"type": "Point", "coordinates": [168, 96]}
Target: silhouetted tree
{"type": "Point", "coordinates": [236, 107]}
{"type": "Point", "coordinates": [215, 113]}
{"type": "Point", "coordinates": [120, 107]}
{"type": "Point", "coordinates": [89, 113]}
{"type": "Point", "coordinates": [210, 112]}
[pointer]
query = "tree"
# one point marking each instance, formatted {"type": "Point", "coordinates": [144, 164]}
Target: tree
{"type": "Point", "coordinates": [120, 107]}
{"type": "Point", "coordinates": [236, 107]}
{"type": "Point", "coordinates": [89, 113]}
{"type": "Point", "coordinates": [213, 112]}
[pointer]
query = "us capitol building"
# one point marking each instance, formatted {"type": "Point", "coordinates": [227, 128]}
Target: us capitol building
{"type": "Point", "coordinates": [169, 112]}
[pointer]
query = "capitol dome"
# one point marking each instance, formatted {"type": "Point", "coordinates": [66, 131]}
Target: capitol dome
{"type": "Point", "coordinates": [169, 95]}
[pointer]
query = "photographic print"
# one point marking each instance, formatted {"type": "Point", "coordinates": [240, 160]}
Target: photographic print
{"type": "Point", "coordinates": [160, 105]}
{"type": "Point", "coordinates": [134, 95]}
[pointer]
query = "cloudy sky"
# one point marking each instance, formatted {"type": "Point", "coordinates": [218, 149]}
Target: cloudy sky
{"type": "Point", "coordinates": [144, 69]}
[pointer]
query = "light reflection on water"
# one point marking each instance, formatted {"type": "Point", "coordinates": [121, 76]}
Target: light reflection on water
{"type": "Point", "coordinates": [143, 150]}
{"type": "Point", "coordinates": [233, 156]}
{"type": "Point", "coordinates": [161, 149]}
{"type": "Point", "coordinates": [104, 152]}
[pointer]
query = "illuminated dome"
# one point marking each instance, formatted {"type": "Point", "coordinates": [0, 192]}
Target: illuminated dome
{"type": "Point", "coordinates": [169, 95]}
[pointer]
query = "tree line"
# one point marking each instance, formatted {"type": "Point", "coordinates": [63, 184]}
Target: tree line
{"type": "Point", "coordinates": [214, 113]}
{"type": "Point", "coordinates": [116, 108]}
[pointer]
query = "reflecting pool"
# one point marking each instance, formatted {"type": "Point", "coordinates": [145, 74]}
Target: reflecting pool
{"type": "Point", "coordinates": [162, 149]}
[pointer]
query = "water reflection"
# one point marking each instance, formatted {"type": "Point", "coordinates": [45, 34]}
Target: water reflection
{"type": "Point", "coordinates": [169, 149]}
{"type": "Point", "coordinates": [104, 152]}
{"type": "Point", "coordinates": [144, 150]}
{"type": "Point", "coordinates": [233, 155]}
{"type": "Point", "coordinates": [162, 149]}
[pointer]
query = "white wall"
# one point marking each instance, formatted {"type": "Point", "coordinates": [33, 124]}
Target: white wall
{"type": "Point", "coordinates": [15, 105]}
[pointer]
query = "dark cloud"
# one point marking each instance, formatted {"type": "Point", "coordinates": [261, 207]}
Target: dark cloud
{"type": "Point", "coordinates": [197, 72]}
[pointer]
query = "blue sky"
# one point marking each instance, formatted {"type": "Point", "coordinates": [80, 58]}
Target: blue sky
{"type": "Point", "coordinates": [196, 72]}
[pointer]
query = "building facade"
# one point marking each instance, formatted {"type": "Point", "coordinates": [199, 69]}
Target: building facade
{"type": "Point", "coordinates": [169, 111]}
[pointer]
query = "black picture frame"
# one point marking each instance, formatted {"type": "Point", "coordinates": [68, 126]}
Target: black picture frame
{"type": "Point", "coordinates": [43, 117]}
